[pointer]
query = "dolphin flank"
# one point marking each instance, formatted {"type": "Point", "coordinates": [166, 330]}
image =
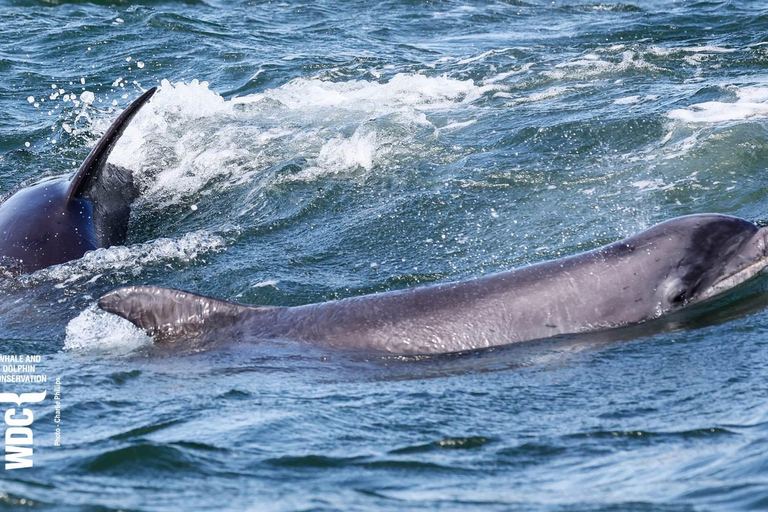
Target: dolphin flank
{"type": "Point", "coordinates": [669, 266]}
{"type": "Point", "coordinates": [60, 219]}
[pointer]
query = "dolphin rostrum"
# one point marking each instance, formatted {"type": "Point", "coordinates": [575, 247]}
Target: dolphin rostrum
{"type": "Point", "coordinates": [672, 265]}
{"type": "Point", "coordinates": [60, 219]}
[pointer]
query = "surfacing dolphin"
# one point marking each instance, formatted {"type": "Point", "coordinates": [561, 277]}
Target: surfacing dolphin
{"type": "Point", "coordinates": [672, 265]}
{"type": "Point", "coordinates": [60, 219]}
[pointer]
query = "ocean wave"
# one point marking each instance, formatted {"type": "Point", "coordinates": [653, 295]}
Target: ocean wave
{"type": "Point", "coordinates": [751, 103]}
{"type": "Point", "coordinates": [122, 260]}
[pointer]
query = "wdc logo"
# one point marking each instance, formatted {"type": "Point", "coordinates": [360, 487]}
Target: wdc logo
{"type": "Point", "coordinates": [18, 435]}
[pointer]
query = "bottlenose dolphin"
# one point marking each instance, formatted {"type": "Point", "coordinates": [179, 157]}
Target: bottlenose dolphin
{"type": "Point", "coordinates": [672, 265]}
{"type": "Point", "coordinates": [60, 219]}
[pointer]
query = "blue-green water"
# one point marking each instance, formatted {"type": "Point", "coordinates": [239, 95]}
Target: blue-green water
{"type": "Point", "coordinates": [343, 148]}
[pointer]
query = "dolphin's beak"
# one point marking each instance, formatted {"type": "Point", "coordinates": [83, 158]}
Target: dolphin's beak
{"type": "Point", "coordinates": [750, 260]}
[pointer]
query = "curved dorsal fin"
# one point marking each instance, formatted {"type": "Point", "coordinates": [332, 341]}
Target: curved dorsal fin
{"type": "Point", "coordinates": [168, 314]}
{"type": "Point", "coordinates": [97, 159]}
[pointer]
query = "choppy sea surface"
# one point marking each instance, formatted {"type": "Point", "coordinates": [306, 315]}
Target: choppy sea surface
{"type": "Point", "coordinates": [306, 151]}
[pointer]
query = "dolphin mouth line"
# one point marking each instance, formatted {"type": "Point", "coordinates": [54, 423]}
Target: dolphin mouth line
{"type": "Point", "coordinates": [735, 279]}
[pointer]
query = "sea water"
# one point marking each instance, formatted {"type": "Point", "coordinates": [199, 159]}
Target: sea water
{"type": "Point", "coordinates": [305, 151]}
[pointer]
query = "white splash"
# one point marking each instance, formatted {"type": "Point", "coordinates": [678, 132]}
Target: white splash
{"type": "Point", "coordinates": [592, 65]}
{"type": "Point", "coordinates": [666, 52]}
{"type": "Point", "coordinates": [340, 154]}
{"type": "Point", "coordinates": [751, 102]}
{"type": "Point", "coordinates": [99, 331]}
{"type": "Point", "coordinates": [403, 91]}
{"type": "Point", "coordinates": [129, 260]}
{"type": "Point", "coordinates": [189, 136]}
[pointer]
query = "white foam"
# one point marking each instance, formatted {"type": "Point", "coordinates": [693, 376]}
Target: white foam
{"type": "Point", "coordinates": [403, 91]}
{"type": "Point", "coordinates": [647, 185]}
{"type": "Point", "coordinates": [680, 147]}
{"type": "Point", "coordinates": [170, 112]}
{"type": "Point", "coordinates": [665, 52]}
{"type": "Point", "coordinates": [341, 154]}
{"type": "Point", "coordinates": [263, 284]}
{"type": "Point", "coordinates": [628, 100]}
{"type": "Point", "coordinates": [546, 94]}
{"type": "Point", "coordinates": [751, 102]}
{"type": "Point", "coordinates": [503, 76]}
{"type": "Point", "coordinates": [99, 331]}
{"type": "Point", "coordinates": [455, 125]}
{"type": "Point", "coordinates": [126, 259]}
{"type": "Point", "coordinates": [591, 65]}
{"type": "Point", "coordinates": [483, 55]}
{"type": "Point", "coordinates": [189, 136]}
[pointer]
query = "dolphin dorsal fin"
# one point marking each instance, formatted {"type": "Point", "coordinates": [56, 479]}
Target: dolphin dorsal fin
{"type": "Point", "coordinates": [167, 314]}
{"type": "Point", "coordinates": [97, 159]}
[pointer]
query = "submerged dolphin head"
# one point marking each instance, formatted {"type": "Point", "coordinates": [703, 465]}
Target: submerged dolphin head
{"type": "Point", "coordinates": [700, 256]}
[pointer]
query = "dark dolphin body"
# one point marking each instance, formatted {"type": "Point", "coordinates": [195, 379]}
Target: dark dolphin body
{"type": "Point", "coordinates": [60, 219]}
{"type": "Point", "coordinates": [674, 264]}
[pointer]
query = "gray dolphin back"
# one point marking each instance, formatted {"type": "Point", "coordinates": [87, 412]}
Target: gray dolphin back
{"type": "Point", "coordinates": [658, 271]}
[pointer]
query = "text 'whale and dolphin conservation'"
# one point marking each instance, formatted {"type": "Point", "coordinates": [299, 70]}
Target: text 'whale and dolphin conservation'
{"type": "Point", "coordinates": [674, 264]}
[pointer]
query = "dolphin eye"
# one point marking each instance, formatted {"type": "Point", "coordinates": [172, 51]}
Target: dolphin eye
{"type": "Point", "coordinates": [675, 292]}
{"type": "Point", "coordinates": [678, 298]}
